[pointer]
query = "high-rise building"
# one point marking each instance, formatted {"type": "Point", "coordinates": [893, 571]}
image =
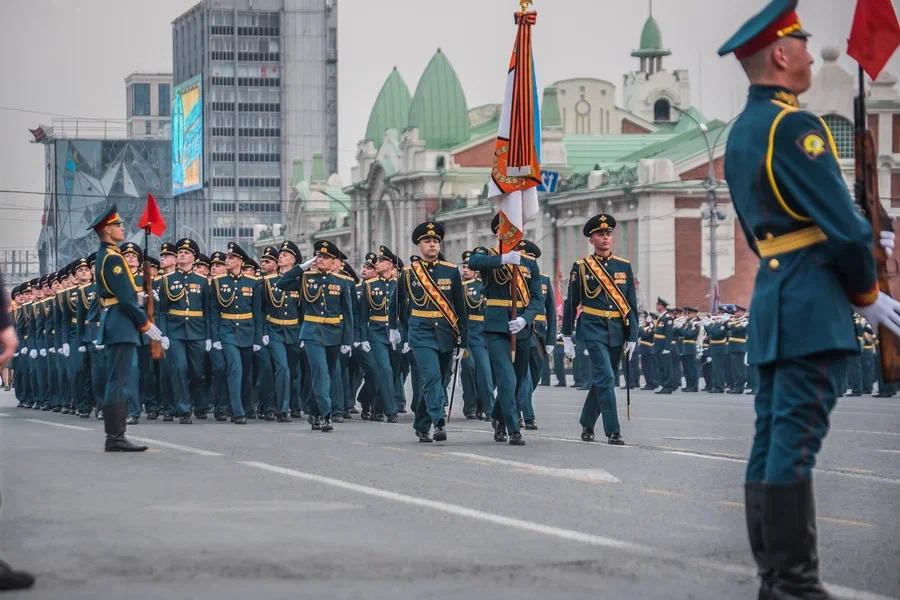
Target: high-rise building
{"type": "Point", "coordinates": [267, 76]}
{"type": "Point", "coordinates": [149, 105]}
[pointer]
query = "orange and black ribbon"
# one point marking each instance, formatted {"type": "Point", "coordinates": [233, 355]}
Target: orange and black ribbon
{"type": "Point", "coordinates": [599, 271]}
{"type": "Point", "coordinates": [436, 295]}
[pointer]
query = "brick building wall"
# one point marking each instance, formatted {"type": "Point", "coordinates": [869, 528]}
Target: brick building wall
{"type": "Point", "coordinates": [481, 155]}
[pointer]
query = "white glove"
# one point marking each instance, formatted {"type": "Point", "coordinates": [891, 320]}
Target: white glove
{"type": "Point", "coordinates": [52, 350]}
{"type": "Point", "coordinates": [459, 353]}
{"type": "Point", "coordinates": [569, 347]}
{"type": "Point", "coordinates": [549, 348]}
{"type": "Point", "coordinates": [66, 350]}
{"type": "Point", "coordinates": [257, 347]}
{"type": "Point", "coordinates": [366, 347]}
{"type": "Point", "coordinates": [346, 349]}
{"type": "Point", "coordinates": [33, 354]}
{"type": "Point", "coordinates": [666, 351]}
{"type": "Point", "coordinates": [208, 345]}
{"type": "Point", "coordinates": [154, 333]}
{"type": "Point", "coordinates": [629, 349]}
{"type": "Point", "coordinates": [887, 242]}
{"type": "Point", "coordinates": [746, 363]}
{"type": "Point", "coordinates": [517, 325]}
{"type": "Point", "coordinates": [82, 349]}
{"type": "Point", "coordinates": [586, 353]}
{"type": "Point", "coordinates": [884, 312]}
{"type": "Point", "coordinates": [164, 341]}
{"type": "Point", "coordinates": [394, 337]}
{"type": "Point", "coordinates": [23, 351]}
{"type": "Point", "coordinates": [217, 345]}
{"type": "Point", "coordinates": [356, 344]}
{"type": "Point", "coordinates": [511, 258]}
{"type": "Point", "coordinates": [304, 266]}
{"type": "Point", "coordinates": [98, 346]}
{"type": "Point", "coordinates": [302, 344]}
{"type": "Point", "coordinates": [156, 295]}
{"type": "Point", "coordinates": [43, 352]}
{"type": "Point", "coordinates": [141, 298]}
{"type": "Point", "coordinates": [265, 340]}
{"type": "Point", "coordinates": [405, 348]}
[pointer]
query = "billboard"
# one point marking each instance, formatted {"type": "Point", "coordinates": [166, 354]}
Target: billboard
{"type": "Point", "coordinates": [187, 136]}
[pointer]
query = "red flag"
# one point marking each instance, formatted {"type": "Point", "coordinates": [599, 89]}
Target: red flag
{"type": "Point", "coordinates": [153, 218]}
{"type": "Point", "coordinates": [875, 35]}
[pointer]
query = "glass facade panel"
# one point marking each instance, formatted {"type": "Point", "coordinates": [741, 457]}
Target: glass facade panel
{"type": "Point", "coordinates": [165, 100]}
{"type": "Point", "coordinates": [141, 99]}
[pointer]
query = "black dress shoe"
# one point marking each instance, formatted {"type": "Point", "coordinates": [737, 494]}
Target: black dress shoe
{"type": "Point", "coordinates": [296, 414]}
{"type": "Point", "coordinates": [479, 416]}
{"type": "Point", "coordinates": [220, 417]}
{"type": "Point", "coordinates": [185, 420]}
{"type": "Point", "coordinates": [121, 444]}
{"type": "Point", "coordinates": [168, 418]}
{"type": "Point", "coordinates": [327, 426]}
{"type": "Point", "coordinates": [499, 431]}
{"type": "Point", "coordinates": [354, 410]}
{"type": "Point", "coordinates": [132, 421]}
{"type": "Point", "coordinates": [516, 439]}
{"type": "Point", "coordinates": [152, 415]}
{"type": "Point", "coordinates": [560, 385]}
{"type": "Point", "coordinates": [14, 580]}
{"type": "Point", "coordinates": [46, 407]}
{"type": "Point", "coordinates": [663, 391]}
{"type": "Point", "coordinates": [270, 416]}
{"type": "Point", "coordinates": [365, 415]}
{"type": "Point", "coordinates": [440, 435]}
{"type": "Point", "coordinates": [393, 418]}
{"type": "Point", "coordinates": [616, 440]}
{"type": "Point", "coordinates": [648, 387]}
{"type": "Point", "coordinates": [85, 415]}
{"type": "Point", "coordinates": [315, 423]}
{"type": "Point", "coordinates": [587, 435]}
{"type": "Point", "coordinates": [56, 409]}
{"type": "Point", "coordinates": [201, 416]}
{"type": "Point", "coordinates": [423, 436]}
{"type": "Point", "coordinates": [337, 418]}
{"type": "Point", "coordinates": [239, 420]}
{"type": "Point", "coordinates": [348, 414]}
{"type": "Point", "coordinates": [530, 426]}
{"type": "Point", "coordinates": [470, 416]}
{"type": "Point", "coordinates": [284, 418]}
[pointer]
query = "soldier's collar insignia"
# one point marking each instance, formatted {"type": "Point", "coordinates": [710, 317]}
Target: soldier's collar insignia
{"type": "Point", "coordinates": [788, 98]}
{"type": "Point", "coordinates": [813, 145]}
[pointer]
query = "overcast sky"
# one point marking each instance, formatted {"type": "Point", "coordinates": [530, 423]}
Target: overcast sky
{"type": "Point", "coordinates": [71, 58]}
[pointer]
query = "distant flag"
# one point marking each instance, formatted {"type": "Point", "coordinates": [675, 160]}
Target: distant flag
{"type": "Point", "coordinates": [517, 156]}
{"type": "Point", "coordinates": [875, 35]}
{"type": "Point", "coordinates": [152, 218]}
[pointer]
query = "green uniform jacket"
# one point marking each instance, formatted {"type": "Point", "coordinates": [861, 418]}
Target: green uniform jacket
{"type": "Point", "coordinates": [586, 291]}
{"type": "Point", "coordinates": [374, 309]}
{"type": "Point", "coordinates": [420, 322]}
{"type": "Point", "coordinates": [236, 310]}
{"type": "Point", "coordinates": [184, 306]}
{"type": "Point", "coordinates": [475, 305]}
{"type": "Point", "coordinates": [496, 277]}
{"type": "Point", "coordinates": [122, 320]}
{"type": "Point", "coordinates": [282, 308]}
{"type": "Point", "coordinates": [326, 305]}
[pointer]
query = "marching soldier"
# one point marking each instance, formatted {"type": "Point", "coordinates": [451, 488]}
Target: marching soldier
{"type": "Point", "coordinates": [327, 330]}
{"type": "Point", "coordinates": [543, 334]}
{"type": "Point", "coordinates": [184, 322]}
{"type": "Point", "coordinates": [646, 352]}
{"type": "Point", "coordinates": [218, 390]}
{"type": "Point", "coordinates": [121, 325]}
{"type": "Point", "coordinates": [430, 310]}
{"type": "Point", "coordinates": [559, 362]}
{"type": "Point", "coordinates": [816, 264]}
{"type": "Point", "coordinates": [134, 257]}
{"type": "Point", "coordinates": [22, 372]}
{"type": "Point", "coordinates": [377, 294]}
{"type": "Point", "coordinates": [662, 347]}
{"type": "Point", "coordinates": [603, 286]}
{"type": "Point", "coordinates": [689, 331]}
{"type": "Point", "coordinates": [263, 369]}
{"type": "Point", "coordinates": [737, 339]}
{"type": "Point", "coordinates": [88, 329]}
{"type": "Point", "coordinates": [483, 378]}
{"type": "Point", "coordinates": [236, 327]}
{"type": "Point", "coordinates": [499, 272]}
{"type": "Point", "coordinates": [718, 351]}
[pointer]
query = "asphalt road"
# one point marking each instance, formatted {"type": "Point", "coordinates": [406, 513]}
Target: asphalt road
{"type": "Point", "coordinates": [274, 510]}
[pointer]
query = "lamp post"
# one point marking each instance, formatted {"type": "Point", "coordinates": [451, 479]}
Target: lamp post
{"type": "Point", "coordinates": [711, 184]}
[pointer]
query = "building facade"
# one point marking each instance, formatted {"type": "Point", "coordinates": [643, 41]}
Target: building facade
{"type": "Point", "coordinates": [148, 106]}
{"type": "Point", "coordinates": [268, 72]}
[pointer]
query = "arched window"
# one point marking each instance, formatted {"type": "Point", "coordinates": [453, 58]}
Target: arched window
{"type": "Point", "coordinates": [843, 132]}
{"type": "Point", "coordinates": [662, 111]}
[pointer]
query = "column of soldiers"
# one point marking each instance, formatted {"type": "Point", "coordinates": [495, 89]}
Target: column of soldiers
{"type": "Point", "coordinates": [287, 337]}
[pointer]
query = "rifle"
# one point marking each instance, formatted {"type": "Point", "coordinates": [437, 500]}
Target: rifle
{"type": "Point", "coordinates": [887, 268]}
{"type": "Point", "coordinates": [156, 349]}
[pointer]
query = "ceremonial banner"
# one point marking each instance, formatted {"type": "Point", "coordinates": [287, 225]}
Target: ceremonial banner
{"type": "Point", "coordinates": [875, 35]}
{"type": "Point", "coordinates": [517, 171]}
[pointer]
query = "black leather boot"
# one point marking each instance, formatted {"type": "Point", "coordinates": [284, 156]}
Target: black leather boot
{"type": "Point", "coordinates": [753, 511]}
{"type": "Point", "coordinates": [14, 580]}
{"type": "Point", "coordinates": [114, 424]}
{"type": "Point", "coordinates": [789, 535]}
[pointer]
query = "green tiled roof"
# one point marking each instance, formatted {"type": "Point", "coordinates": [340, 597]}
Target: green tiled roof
{"type": "Point", "coordinates": [482, 129]}
{"type": "Point", "coordinates": [586, 151]}
{"type": "Point", "coordinates": [681, 146]}
{"type": "Point", "coordinates": [439, 106]}
{"type": "Point", "coordinates": [391, 109]}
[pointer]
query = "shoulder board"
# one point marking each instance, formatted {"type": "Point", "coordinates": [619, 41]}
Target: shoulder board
{"type": "Point", "coordinates": [785, 106]}
{"type": "Point", "coordinates": [217, 277]}
{"type": "Point", "coordinates": [371, 279]}
{"type": "Point", "coordinates": [446, 264]}
{"type": "Point", "coordinates": [342, 276]}
{"type": "Point", "coordinates": [470, 282]}
{"type": "Point", "coordinates": [251, 277]}
{"type": "Point", "coordinates": [406, 268]}
{"type": "Point", "coordinates": [620, 259]}
{"type": "Point", "coordinates": [580, 261]}
{"type": "Point", "coordinates": [271, 276]}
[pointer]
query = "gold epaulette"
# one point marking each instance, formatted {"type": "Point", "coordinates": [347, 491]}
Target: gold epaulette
{"type": "Point", "coordinates": [253, 277]}
{"type": "Point", "coordinates": [371, 279]}
{"type": "Point", "coordinates": [470, 281]}
{"type": "Point", "coordinates": [446, 264]}
{"type": "Point", "coordinates": [620, 259]}
{"type": "Point", "coordinates": [580, 261]}
{"type": "Point", "coordinates": [342, 276]}
{"type": "Point", "coordinates": [220, 276]}
{"type": "Point", "coordinates": [271, 276]}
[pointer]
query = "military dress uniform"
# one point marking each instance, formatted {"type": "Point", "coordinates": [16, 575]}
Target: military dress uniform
{"type": "Point", "coordinates": [781, 164]}
{"type": "Point", "coordinates": [478, 352]}
{"type": "Point", "coordinates": [374, 329]}
{"type": "Point", "coordinates": [689, 331]}
{"type": "Point", "coordinates": [88, 327]}
{"type": "Point", "coordinates": [718, 353]}
{"type": "Point", "coordinates": [21, 375]}
{"type": "Point", "coordinates": [737, 341]}
{"type": "Point", "coordinates": [430, 312]}
{"type": "Point", "coordinates": [603, 286]}
{"type": "Point", "coordinates": [235, 303]}
{"type": "Point", "coordinates": [646, 352]}
{"type": "Point", "coordinates": [327, 329]}
{"type": "Point", "coordinates": [662, 349]}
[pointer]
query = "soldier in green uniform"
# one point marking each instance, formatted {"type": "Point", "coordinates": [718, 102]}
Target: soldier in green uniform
{"type": "Point", "coordinates": [134, 257]}
{"type": "Point", "coordinates": [345, 397]}
{"type": "Point", "coordinates": [88, 328]}
{"type": "Point", "coordinates": [689, 331]}
{"type": "Point", "coordinates": [662, 347]}
{"type": "Point", "coordinates": [603, 286]}
{"type": "Point", "coordinates": [327, 330]}
{"type": "Point", "coordinates": [737, 340]}
{"type": "Point", "coordinates": [22, 366]}
{"type": "Point", "coordinates": [483, 378]}
{"type": "Point", "coordinates": [38, 352]}
{"type": "Point", "coordinates": [122, 322]}
{"type": "Point", "coordinates": [430, 312]}
{"type": "Point", "coordinates": [816, 265]}
{"type": "Point", "coordinates": [218, 390]}
{"type": "Point", "coordinates": [263, 369]}
{"type": "Point", "coordinates": [500, 272]}
{"type": "Point", "coordinates": [184, 321]}
{"type": "Point", "coordinates": [235, 302]}
{"type": "Point", "coordinates": [541, 344]}
{"type": "Point", "coordinates": [718, 350]}
{"type": "Point", "coordinates": [377, 294]}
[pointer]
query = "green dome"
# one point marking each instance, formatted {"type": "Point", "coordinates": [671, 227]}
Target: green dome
{"type": "Point", "coordinates": [391, 108]}
{"type": "Point", "coordinates": [651, 40]}
{"type": "Point", "coordinates": [439, 107]}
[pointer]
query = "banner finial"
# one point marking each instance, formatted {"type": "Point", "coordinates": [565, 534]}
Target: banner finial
{"type": "Point", "coordinates": [524, 4]}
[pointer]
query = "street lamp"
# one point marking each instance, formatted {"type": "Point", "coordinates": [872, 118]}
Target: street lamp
{"type": "Point", "coordinates": [711, 183]}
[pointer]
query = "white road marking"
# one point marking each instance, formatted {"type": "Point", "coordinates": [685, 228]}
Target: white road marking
{"type": "Point", "coordinates": [707, 456]}
{"type": "Point", "coordinates": [548, 530]}
{"type": "Point", "coordinates": [170, 445]}
{"type": "Point", "coordinates": [864, 431]}
{"type": "Point", "coordinates": [63, 425]}
{"type": "Point", "coordinates": [3, 415]}
{"type": "Point", "coordinates": [699, 439]}
{"type": "Point", "coordinates": [585, 475]}
{"type": "Point", "coordinates": [886, 450]}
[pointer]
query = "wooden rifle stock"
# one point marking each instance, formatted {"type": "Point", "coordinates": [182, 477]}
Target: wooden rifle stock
{"type": "Point", "coordinates": [887, 268]}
